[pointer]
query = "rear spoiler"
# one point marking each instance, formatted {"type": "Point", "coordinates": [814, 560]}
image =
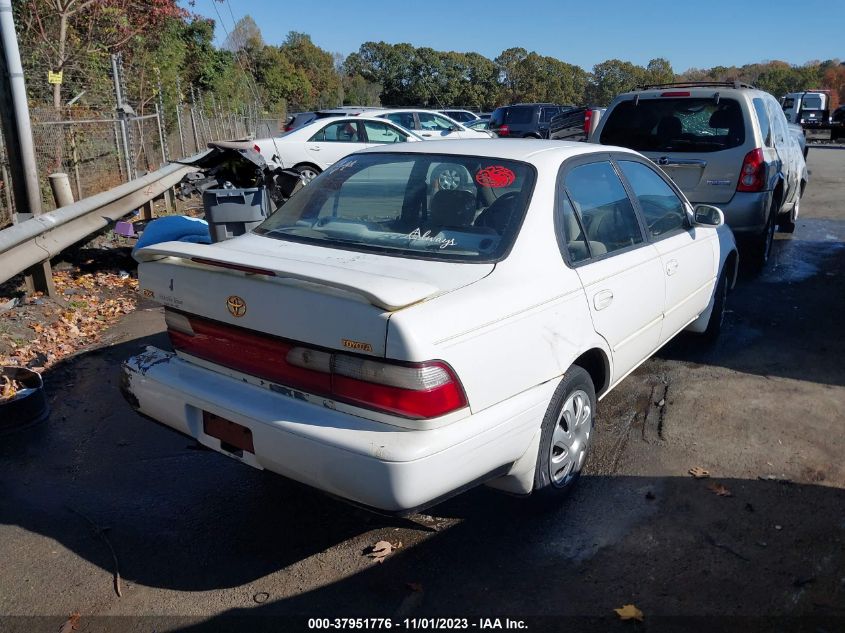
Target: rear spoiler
{"type": "Point", "coordinates": [388, 293]}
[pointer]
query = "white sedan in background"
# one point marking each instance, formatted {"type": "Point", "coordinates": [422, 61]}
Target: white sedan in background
{"type": "Point", "coordinates": [432, 126]}
{"type": "Point", "coordinates": [392, 342]}
{"type": "Point", "coordinates": [315, 146]}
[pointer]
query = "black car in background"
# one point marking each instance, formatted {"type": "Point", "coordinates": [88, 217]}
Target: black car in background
{"type": "Point", "coordinates": [524, 120]}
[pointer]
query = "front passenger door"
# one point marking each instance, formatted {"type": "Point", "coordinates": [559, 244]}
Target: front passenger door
{"type": "Point", "coordinates": [687, 254]}
{"type": "Point", "coordinates": [619, 270]}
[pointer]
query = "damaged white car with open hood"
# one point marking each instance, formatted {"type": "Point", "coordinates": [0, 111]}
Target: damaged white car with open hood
{"type": "Point", "coordinates": [392, 342]}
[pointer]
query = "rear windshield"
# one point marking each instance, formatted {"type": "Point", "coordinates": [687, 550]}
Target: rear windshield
{"type": "Point", "coordinates": [675, 125]}
{"type": "Point", "coordinates": [512, 115]}
{"type": "Point", "coordinates": [446, 207]}
{"type": "Point", "coordinates": [812, 102]}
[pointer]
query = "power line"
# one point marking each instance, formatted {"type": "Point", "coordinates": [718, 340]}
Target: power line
{"type": "Point", "coordinates": [239, 58]}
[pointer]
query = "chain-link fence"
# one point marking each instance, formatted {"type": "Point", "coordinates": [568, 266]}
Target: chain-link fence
{"type": "Point", "coordinates": [100, 148]}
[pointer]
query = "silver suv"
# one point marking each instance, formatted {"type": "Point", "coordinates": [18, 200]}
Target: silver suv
{"type": "Point", "coordinates": [724, 144]}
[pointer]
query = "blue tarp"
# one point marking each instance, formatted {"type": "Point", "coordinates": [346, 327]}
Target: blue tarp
{"type": "Point", "coordinates": [172, 228]}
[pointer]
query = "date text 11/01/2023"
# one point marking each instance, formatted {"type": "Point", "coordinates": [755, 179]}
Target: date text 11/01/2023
{"type": "Point", "coordinates": [430, 624]}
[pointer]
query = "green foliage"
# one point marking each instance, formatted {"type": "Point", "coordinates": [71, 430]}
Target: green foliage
{"type": "Point", "coordinates": [160, 42]}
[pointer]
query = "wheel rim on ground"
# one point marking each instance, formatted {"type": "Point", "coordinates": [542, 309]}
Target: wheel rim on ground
{"type": "Point", "coordinates": [570, 438]}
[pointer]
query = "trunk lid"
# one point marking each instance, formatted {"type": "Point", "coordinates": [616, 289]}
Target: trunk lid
{"type": "Point", "coordinates": [327, 297]}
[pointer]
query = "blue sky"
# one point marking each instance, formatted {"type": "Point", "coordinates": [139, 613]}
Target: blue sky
{"type": "Point", "coordinates": [689, 34]}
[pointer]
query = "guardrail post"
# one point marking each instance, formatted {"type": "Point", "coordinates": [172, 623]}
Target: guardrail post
{"type": "Point", "coordinates": [62, 193]}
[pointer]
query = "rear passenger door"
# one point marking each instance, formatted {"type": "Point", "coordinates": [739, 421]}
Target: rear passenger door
{"type": "Point", "coordinates": [621, 273]}
{"type": "Point", "coordinates": [687, 254]}
{"type": "Point", "coordinates": [335, 141]}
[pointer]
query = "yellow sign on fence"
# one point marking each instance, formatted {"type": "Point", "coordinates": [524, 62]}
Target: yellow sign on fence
{"type": "Point", "coordinates": [54, 78]}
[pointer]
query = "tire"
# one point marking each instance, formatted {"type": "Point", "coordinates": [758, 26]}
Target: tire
{"type": "Point", "coordinates": [761, 247]}
{"type": "Point", "coordinates": [449, 177]}
{"type": "Point", "coordinates": [565, 438]}
{"type": "Point", "coordinates": [717, 317]}
{"type": "Point", "coordinates": [787, 224]}
{"type": "Point", "coordinates": [308, 172]}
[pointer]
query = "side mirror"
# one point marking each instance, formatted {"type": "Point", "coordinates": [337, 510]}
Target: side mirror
{"type": "Point", "coordinates": [707, 215]}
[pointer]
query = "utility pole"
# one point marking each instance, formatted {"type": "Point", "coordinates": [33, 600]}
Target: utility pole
{"type": "Point", "coordinates": [14, 112]}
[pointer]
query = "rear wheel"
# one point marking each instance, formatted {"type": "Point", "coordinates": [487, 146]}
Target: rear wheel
{"type": "Point", "coordinates": [307, 173]}
{"type": "Point", "coordinates": [761, 246]}
{"type": "Point", "coordinates": [565, 440]}
{"type": "Point", "coordinates": [787, 223]}
{"type": "Point", "coordinates": [717, 316]}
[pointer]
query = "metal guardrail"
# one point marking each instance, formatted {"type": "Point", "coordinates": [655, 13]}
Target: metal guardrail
{"type": "Point", "coordinates": [45, 236]}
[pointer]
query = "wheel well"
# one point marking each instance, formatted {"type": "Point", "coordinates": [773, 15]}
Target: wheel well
{"type": "Point", "coordinates": [311, 165]}
{"type": "Point", "coordinates": [731, 267]}
{"type": "Point", "coordinates": [595, 363]}
{"type": "Point", "coordinates": [777, 196]}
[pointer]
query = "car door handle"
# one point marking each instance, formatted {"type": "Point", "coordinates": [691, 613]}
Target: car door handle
{"type": "Point", "coordinates": [424, 134]}
{"type": "Point", "coordinates": [671, 267]}
{"type": "Point", "coordinates": [602, 299]}
{"type": "Point", "coordinates": [315, 149]}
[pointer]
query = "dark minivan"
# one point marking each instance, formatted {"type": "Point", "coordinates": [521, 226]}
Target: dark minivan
{"type": "Point", "coordinates": [524, 120]}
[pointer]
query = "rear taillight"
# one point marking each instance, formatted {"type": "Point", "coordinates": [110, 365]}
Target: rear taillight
{"type": "Point", "coordinates": [588, 118]}
{"type": "Point", "coordinates": [752, 176]}
{"type": "Point", "coordinates": [675, 93]}
{"type": "Point", "coordinates": [410, 390]}
{"type": "Point", "coordinates": [504, 130]}
{"type": "Point", "coordinates": [256, 148]}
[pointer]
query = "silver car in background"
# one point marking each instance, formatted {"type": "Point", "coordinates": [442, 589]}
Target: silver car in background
{"type": "Point", "coordinates": [724, 144]}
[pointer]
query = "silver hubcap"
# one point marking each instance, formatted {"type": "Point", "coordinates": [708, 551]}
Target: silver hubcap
{"type": "Point", "coordinates": [449, 179]}
{"type": "Point", "coordinates": [571, 438]}
{"type": "Point", "coordinates": [307, 175]}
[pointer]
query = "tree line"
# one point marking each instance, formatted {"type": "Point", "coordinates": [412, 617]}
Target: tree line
{"type": "Point", "coordinates": [164, 45]}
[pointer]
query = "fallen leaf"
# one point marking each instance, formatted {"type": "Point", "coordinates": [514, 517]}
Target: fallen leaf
{"type": "Point", "coordinates": [380, 551]}
{"type": "Point", "coordinates": [629, 612]}
{"type": "Point", "coordinates": [720, 490]}
{"type": "Point", "coordinates": [71, 624]}
{"type": "Point", "coordinates": [698, 472]}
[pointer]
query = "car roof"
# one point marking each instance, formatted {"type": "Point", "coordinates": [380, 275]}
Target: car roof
{"type": "Point", "coordinates": [351, 118]}
{"type": "Point", "coordinates": [534, 151]}
{"type": "Point", "coordinates": [695, 89]}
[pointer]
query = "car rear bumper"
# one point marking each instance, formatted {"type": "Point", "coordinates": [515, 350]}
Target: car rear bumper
{"type": "Point", "coordinates": [746, 212]}
{"type": "Point", "coordinates": [370, 463]}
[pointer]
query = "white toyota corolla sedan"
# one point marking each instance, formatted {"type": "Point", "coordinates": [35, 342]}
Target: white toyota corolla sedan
{"type": "Point", "coordinates": [314, 147]}
{"type": "Point", "coordinates": [392, 342]}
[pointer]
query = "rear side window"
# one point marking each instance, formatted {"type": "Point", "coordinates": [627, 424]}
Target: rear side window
{"type": "Point", "coordinates": [663, 210]}
{"type": "Point", "coordinates": [675, 125]}
{"type": "Point", "coordinates": [340, 132]}
{"type": "Point", "coordinates": [519, 115]}
{"type": "Point", "coordinates": [546, 114]}
{"type": "Point", "coordinates": [603, 208]}
{"type": "Point", "coordinates": [763, 118]}
{"type": "Point", "coordinates": [405, 119]}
